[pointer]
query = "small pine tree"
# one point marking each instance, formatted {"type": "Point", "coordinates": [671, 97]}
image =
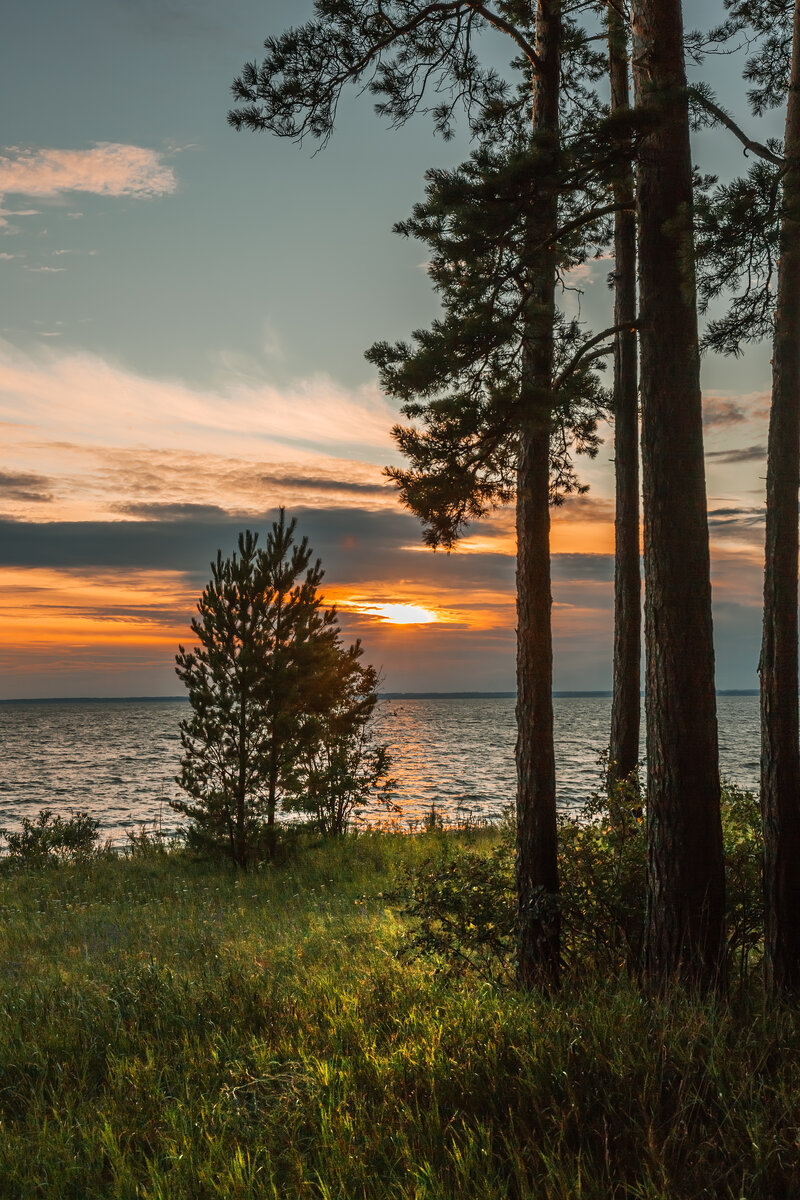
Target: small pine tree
{"type": "Point", "coordinates": [264, 636]}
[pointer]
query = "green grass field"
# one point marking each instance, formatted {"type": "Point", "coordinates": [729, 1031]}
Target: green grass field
{"type": "Point", "coordinates": [172, 1029]}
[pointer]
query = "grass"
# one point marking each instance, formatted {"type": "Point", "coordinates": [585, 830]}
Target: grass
{"type": "Point", "coordinates": [172, 1029]}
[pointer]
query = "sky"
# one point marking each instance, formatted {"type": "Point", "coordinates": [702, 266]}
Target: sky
{"type": "Point", "coordinates": [184, 312]}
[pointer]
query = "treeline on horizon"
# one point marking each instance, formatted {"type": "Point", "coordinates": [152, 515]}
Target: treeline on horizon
{"type": "Point", "coordinates": [503, 390]}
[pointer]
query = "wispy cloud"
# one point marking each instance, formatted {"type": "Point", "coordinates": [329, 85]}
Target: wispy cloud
{"type": "Point", "coordinates": [107, 169]}
{"type": "Point", "coordinates": [24, 486]}
{"type": "Point", "coordinates": [81, 399]}
{"type": "Point", "coordinates": [721, 410]}
{"type": "Point", "coordinates": [744, 455]}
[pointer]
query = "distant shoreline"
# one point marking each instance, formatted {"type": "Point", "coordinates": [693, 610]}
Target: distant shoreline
{"type": "Point", "coordinates": [381, 696]}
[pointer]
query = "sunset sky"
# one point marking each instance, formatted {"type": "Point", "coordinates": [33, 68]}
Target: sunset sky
{"type": "Point", "coordinates": [183, 320]}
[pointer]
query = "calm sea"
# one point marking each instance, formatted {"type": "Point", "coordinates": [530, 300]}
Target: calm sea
{"type": "Point", "coordinates": [118, 758]}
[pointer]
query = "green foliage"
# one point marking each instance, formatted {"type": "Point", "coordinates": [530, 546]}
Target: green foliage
{"type": "Point", "coordinates": [765, 27]}
{"type": "Point", "coordinates": [280, 709]}
{"type": "Point", "coordinates": [737, 224]}
{"type": "Point", "coordinates": [744, 852]}
{"type": "Point", "coordinates": [602, 860]}
{"type": "Point", "coordinates": [460, 381]}
{"type": "Point", "coordinates": [174, 1029]}
{"type": "Point", "coordinates": [342, 770]}
{"type": "Point", "coordinates": [463, 907]}
{"type": "Point", "coordinates": [463, 903]}
{"type": "Point", "coordinates": [49, 838]}
{"type": "Point", "coordinates": [252, 685]}
{"type": "Point", "coordinates": [737, 227]}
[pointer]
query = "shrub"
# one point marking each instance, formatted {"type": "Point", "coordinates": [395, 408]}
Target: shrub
{"type": "Point", "coordinates": [463, 902]}
{"type": "Point", "coordinates": [49, 837]}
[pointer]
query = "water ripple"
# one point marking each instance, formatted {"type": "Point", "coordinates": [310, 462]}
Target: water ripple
{"type": "Point", "coordinates": [118, 759]}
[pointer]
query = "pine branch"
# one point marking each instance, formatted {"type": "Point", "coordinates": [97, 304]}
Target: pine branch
{"type": "Point", "coordinates": [719, 114]}
{"type": "Point", "coordinates": [513, 32]}
{"type": "Point", "coordinates": [594, 214]}
{"type": "Point", "coordinates": [583, 354]}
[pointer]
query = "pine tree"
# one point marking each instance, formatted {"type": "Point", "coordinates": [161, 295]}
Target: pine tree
{"type": "Point", "coordinates": [403, 51]}
{"type": "Point", "coordinates": [342, 769]}
{"type": "Point", "coordinates": [750, 236]}
{"type": "Point", "coordinates": [780, 739]}
{"type": "Point", "coordinates": [685, 864]}
{"type": "Point", "coordinates": [623, 753]}
{"type": "Point", "coordinates": [465, 385]}
{"type": "Point", "coordinates": [253, 681]}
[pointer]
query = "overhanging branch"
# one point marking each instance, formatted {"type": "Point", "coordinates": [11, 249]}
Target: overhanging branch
{"type": "Point", "coordinates": [584, 355]}
{"type": "Point", "coordinates": [512, 31]}
{"type": "Point", "coordinates": [720, 115]}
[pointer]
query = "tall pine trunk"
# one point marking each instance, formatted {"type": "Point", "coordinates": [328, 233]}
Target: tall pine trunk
{"type": "Point", "coordinates": [626, 703]}
{"type": "Point", "coordinates": [538, 949]}
{"type": "Point", "coordinates": [780, 752]}
{"type": "Point", "coordinates": [685, 871]}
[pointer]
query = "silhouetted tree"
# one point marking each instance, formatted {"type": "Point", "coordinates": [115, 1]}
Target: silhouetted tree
{"type": "Point", "coordinates": [623, 754]}
{"type": "Point", "coordinates": [464, 383]}
{"type": "Point", "coordinates": [398, 49]}
{"type": "Point", "coordinates": [750, 236]}
{"type": "Point", "coordinates": [685, 863]}
{"type": "Point", "coordinates": [342, 769]}
{"type": "Point", "coordinates": [780, 748]}
{"type": "Point", "coordinates": [259, 683]}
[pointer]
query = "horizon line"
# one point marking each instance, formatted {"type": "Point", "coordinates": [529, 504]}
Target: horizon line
{"type": "Point", "coordinates": [456, 695]}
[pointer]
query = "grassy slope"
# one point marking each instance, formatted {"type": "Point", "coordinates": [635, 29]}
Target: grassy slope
{"type": "Point", "coordinates": [174, 1030]}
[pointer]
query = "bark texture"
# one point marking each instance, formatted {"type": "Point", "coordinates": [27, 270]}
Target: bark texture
{"type": "Point", "coordinates": [780, 749]}
{"type": "Point", "coordinates": [685, 874]}
{"type": "Point", "coordinates": [538, 949]}
{"type": "Point", "coordinates": [626, 703]}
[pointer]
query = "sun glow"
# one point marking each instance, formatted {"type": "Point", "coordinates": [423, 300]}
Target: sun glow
{"type": "Point", "coordinates": [394, 614]}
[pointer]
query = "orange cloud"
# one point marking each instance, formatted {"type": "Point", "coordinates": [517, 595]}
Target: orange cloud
{"type": "Point", "coordinates": [44, 609]}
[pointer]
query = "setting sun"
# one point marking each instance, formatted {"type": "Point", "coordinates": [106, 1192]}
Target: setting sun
{"type": "Point", "coordinates": [395, 614]}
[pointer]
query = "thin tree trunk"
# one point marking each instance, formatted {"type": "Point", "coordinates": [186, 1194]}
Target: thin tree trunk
{"type": "Point", "coordinates": [780, 750]}
{"type": "Point", "coordinates": [538, 949]}
{"type": "Point", "coordinates": [626, 703]}
{"type": "Point", "coordinates": [240, 854]}
{"type": "Point", "coordinates": [685, 871]}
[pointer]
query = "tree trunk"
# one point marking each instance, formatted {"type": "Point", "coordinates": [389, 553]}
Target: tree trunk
{"type": "Point", "coordinates": [780, 751]}
{"type": "Point", "coordinates": [685, 871]}
{"type": "Point", "coordinates": [240, 850]}
{"type": "Point", "coordinates": [538, 949]}
{"type": "Point", "coordinates": [626, 703]}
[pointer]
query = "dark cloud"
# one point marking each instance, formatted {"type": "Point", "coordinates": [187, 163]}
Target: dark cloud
{"type": "Point", "coordinates": [737, 643]}
{"type": "Point", "coordinates": [171, 513]}
{"type": "Point", "coordinates": [746, 454]}
{"type": "Point", "coordinates": [594, 567]}
{"type": "Point", "coordinates": [354, 545]}
{"type": "Point", "coordinates": [326, 483]}
{"type": "Point", "coordinates": [30, 488]}
{"type": "Point", "coordinates": [355, 542]}
{"type": "Point", "coordinates": [732, 516]}
{"type": "Point", "coordinates": [719, 411]}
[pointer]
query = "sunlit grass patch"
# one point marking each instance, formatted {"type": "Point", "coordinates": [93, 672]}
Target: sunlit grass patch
{"type": "Point", "coordinates": [172, 1029]}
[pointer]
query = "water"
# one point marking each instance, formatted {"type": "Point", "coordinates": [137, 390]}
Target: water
{"type": "Point", "coordinates": [118, 758]}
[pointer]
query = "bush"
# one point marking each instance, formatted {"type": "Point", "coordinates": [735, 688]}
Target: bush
{"type": "Point", "coordinates": [463, 900]}
{"type": "Point", "coordinates": [602, 864]}
{"type": "Point", "coordinates": [50, 837]}
{"type": "Point", "coordinates": [463, 904]}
